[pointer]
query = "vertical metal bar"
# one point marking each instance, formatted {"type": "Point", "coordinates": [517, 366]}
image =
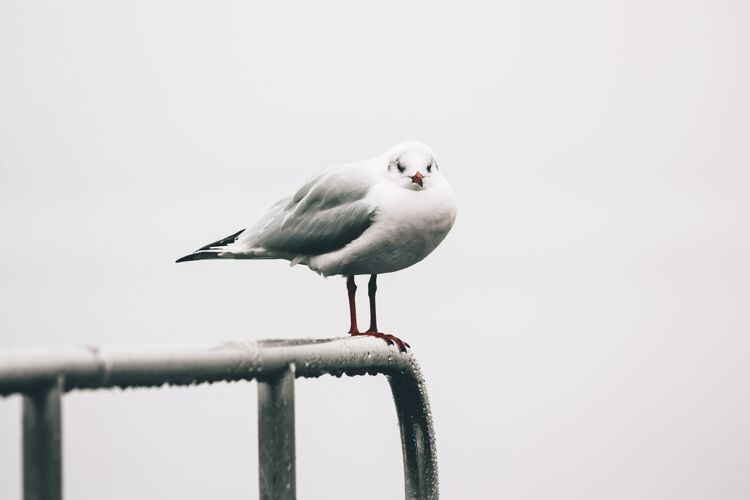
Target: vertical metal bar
{"type": "Point", "coordinates": [42, 443]}
{"type": "Point", "coordinates": [417, 436]}
{"type": "Point", "coordinates": [276, 437]}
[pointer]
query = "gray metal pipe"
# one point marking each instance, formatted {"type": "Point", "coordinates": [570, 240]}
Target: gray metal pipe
{"type": "Point", "coordinates": [276, 457]}
{"type": "Point", "coordinates": [148, 366]}
{"type": "Point", "coordinates": [42, 443]}
{"type": "Point", "coordinates": [265, 361]}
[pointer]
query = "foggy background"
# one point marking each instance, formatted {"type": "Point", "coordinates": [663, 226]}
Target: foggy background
{"type": "Point", "coordinates": [583, 329]}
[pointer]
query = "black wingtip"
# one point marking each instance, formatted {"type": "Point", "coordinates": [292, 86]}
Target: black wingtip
{"type": "Point", "coordinates": [205, 252]}
{"type": "Point", "coordinates": [224, 241]}
{"type": "Point", "coordinates": [198, 256]}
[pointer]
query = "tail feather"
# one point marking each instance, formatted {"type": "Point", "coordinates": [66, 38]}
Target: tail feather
{"type": "Point", "coordinates": [213, 250]}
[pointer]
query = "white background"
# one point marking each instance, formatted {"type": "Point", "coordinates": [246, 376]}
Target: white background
{"type": "Point", "coordinates": [583, 329]}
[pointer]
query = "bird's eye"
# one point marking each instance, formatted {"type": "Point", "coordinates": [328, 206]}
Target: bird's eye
{"type": "Point", "coordinates": [429, 168]}
{"type": "Point", "coordinates": [400, 167]}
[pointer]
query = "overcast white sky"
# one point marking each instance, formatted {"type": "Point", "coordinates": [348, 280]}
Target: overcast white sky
{"type": "Point", "coordinates": [583, 329]}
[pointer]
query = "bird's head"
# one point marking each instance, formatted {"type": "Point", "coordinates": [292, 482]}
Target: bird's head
{"type": "Point", "coordinates": [412, 165]}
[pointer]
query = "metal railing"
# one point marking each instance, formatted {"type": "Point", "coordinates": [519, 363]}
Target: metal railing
{"type": "Point", "coordinates": [42, 377]}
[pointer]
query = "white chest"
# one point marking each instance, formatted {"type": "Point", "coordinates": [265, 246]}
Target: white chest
{"type": "Point", "coordinates": [408, 226]}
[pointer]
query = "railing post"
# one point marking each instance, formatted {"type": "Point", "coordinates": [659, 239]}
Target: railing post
{"type": "Point", "coordinates": [42, 443]}
{"type": "Point", "coordinates": [276, 437]}
{"type": "Point", "coordinates": [417, 436]}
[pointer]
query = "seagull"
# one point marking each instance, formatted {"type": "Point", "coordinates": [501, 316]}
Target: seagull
{"type": "Point", "coordinates": [365, 218]}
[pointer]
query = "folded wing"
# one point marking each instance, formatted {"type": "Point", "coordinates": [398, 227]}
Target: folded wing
{"type": "Point", "coordinates": [327, 213]}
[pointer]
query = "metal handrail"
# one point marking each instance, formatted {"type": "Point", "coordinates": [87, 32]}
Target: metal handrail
{"type": "Point", "coordinates": [42, 377]}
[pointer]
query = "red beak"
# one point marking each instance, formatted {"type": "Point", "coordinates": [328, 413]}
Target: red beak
{"type": "Point", "coordinates": [417, 178]}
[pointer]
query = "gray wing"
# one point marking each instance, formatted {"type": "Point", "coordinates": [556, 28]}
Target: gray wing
{"type": "Point", "coordinates": [324, 215]}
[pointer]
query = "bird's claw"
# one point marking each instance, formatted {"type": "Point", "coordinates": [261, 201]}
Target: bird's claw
{"type": "Point", "coordinates": [389, 339]}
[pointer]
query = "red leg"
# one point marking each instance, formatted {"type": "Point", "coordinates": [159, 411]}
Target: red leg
{"type": "Point", "coordinates": [372, 287]}
{"type": "Point", "coordinates": [351, 288]}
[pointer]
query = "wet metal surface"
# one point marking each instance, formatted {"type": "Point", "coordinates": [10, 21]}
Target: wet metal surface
{"type": "Point", "coordinates": [276, 437]}
{"type": "Point", "coordinates": [274, 363]}
{"type": "Point", "coordinates": [42, 447]}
